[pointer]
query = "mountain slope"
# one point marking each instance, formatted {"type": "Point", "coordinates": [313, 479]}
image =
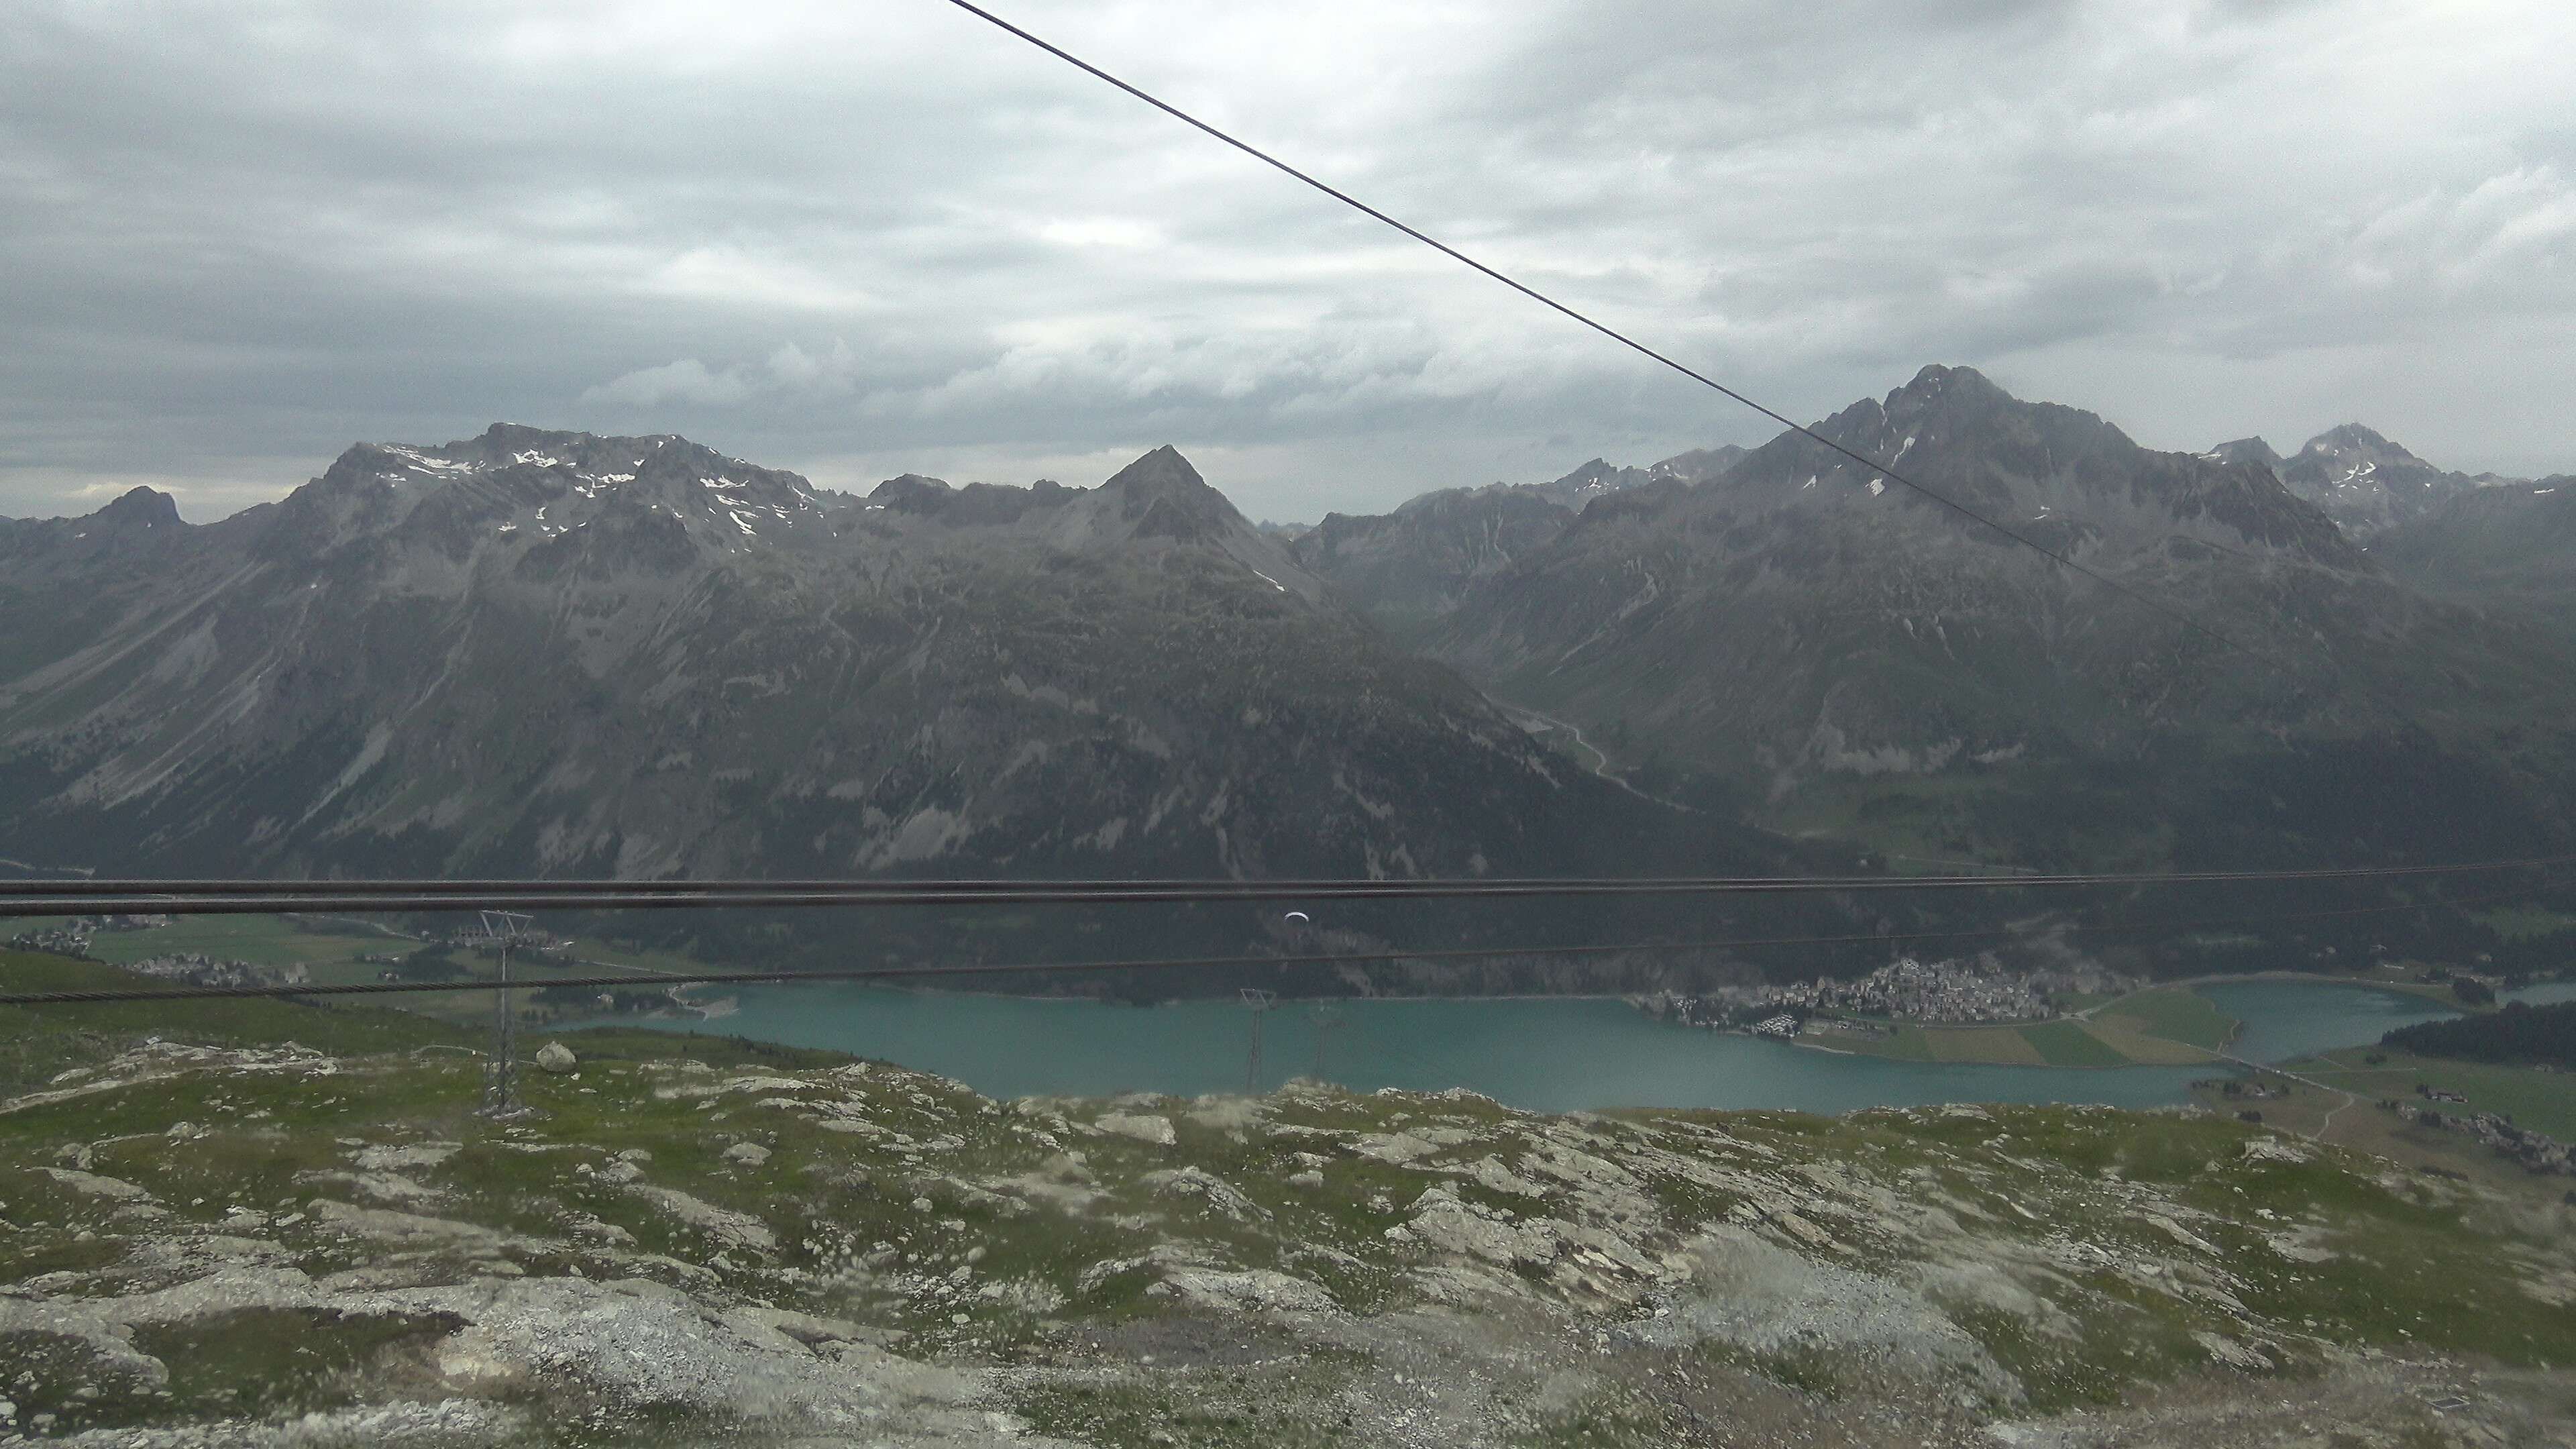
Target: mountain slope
{"type": "Point", "coordinates": [2508, 548]}
{"type": "Point", "coordinates": [1847, 655]}
{"type": "Point", "coordinates": [1409, 568]}
{"type": "Point", "coordinates": [565, 654]}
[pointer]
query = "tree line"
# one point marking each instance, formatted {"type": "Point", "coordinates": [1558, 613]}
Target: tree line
{"type": "Point", "coordinates": [2520, 1033]}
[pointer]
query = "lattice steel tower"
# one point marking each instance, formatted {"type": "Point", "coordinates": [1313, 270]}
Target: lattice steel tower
{"type": "Point", "coordinates": [502, 930]}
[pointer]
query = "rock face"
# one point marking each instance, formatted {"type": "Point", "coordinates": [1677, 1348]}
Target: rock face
{"type": "Point", "coordinates": [538, 652]}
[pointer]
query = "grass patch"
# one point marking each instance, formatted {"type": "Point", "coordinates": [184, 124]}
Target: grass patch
{"type": "Point", "coordinates": [273, 1361]}
{"type": "Point", "coordinates": [2147, 1050]}
{"type": "Point", "coordinates": [2524, 923]}
{"type": "Point", "coordinates": [1995, 1044]}
{"type": "Point", "coordinates": [38, 1041]}
{"type": "Point", "coordinates": [2174, 1014]}
{"type": "Point", "coordinates": [2069, 1044]}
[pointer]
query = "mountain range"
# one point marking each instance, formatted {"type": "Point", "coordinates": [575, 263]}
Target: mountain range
{"type": "Point", "coordinates": [2362, 481]}
{"type": "Point", "coordinates": [564, 654]}
{"type": "Point", "coordinates": [553, 653]}
{"type": "Point", "coordinates": [1802, 639]}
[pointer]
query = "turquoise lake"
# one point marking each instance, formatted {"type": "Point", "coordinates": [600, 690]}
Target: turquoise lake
{"type": "Point", "coordinates": [1548, 1055]}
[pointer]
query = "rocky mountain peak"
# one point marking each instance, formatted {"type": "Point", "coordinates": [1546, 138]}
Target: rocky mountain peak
{"type": "Point", "coordinates": [2369, 484]}
{"type": "Point", "coordinates": [2353, 437]}
{"type": "Point", "coordinates": [909, 488]}
{"type": "Point", "coordinates": [1166, 498]}
{"type": "Point", "coordinates": [1940, 383]}
{"type": "Point", "coordinates": [1161, 473]}
{"type": "Point", "coordinates": [513, 486]}
{"type": "Point", "coordinates": [2246, 450]}
{"type": "Point", "coordinates": [1699, 465]}
{"type": "Point", "coordinates": [138, 508]}
{"type": "Point", "coordinates": [1595, 479]}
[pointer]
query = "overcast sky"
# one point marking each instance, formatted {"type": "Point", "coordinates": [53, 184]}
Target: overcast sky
{"type": "Point", "coordinates": [866, 237]}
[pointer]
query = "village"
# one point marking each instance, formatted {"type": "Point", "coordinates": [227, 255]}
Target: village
{"type": "Point", "coordinates": [1959, 992]}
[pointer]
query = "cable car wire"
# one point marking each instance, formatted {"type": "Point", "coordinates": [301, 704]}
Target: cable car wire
{"type": "Point", "coordinates": [2170, 611]}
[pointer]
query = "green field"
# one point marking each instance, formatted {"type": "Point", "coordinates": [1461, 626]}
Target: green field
{"type": "Point", "coordinates": [332, 953]}
{"type": "Point", "coordinates": [2522, 923]}
{"type": "Point", "coordinates": [2068, 1044]}
{"type": "Point", "coordinates": [1996, 1044]}
{"type": "Point", "coordinates": [259, 940]}
{"type": "Point", "coordinates": [2541, 1101]}
{"type": "Point", "coordinates": [2174, 1013]}
{"type": "Point", "coordinates": [2147, 1050]}
{"type": "Point", "coordinates": [2044, 1043]}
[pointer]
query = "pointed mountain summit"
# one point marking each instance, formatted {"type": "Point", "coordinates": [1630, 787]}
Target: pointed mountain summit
{"type": "Point", "coordinates": [1166, 498]}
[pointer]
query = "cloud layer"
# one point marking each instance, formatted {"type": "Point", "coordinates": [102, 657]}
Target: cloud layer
{"type": "Point", "coordinates": [866, 239]}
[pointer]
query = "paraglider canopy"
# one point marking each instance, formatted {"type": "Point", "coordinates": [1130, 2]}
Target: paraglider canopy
{"type": "Point", "coordinates": [1298, 918]}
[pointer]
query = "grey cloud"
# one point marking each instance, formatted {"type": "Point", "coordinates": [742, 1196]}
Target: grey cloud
{"type": "Point", "coordinates": [234, 240]}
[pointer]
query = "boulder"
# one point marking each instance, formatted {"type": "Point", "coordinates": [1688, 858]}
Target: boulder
{"type": "Point", "coordinates": [557, 1058]}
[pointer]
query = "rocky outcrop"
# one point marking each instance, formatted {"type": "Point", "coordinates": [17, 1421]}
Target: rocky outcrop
{"type": "Point", "coordinates": [1390, 1269]}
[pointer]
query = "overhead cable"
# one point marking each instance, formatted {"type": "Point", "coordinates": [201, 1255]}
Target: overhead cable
{"type": "Point", "coordinates": [647, 977]}
{"type": "Point", "coordinates": [2169, 611]}
{"type": "Point", "coordinates": [256, 897]}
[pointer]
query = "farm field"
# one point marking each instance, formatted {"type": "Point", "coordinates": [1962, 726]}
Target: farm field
{"type": "Point", "coordinates": [2173, 1014]}
{"type": "Point", "coordinates": [2063, 1043]}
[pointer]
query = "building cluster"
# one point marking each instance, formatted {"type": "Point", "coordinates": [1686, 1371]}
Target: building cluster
{"type": "Point", "coordinates": [2536, 1151]}
{"type": "Point", "coordinates": [73, 937]}
{"type": "Point", "coordinates": [71, 940]}
{"type": "Point", "coordinates": [526, 943]}
{"type": "Point", "coordinates": [192, 968]}
{"type": "Point", "coordinates": [1908, 989]}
